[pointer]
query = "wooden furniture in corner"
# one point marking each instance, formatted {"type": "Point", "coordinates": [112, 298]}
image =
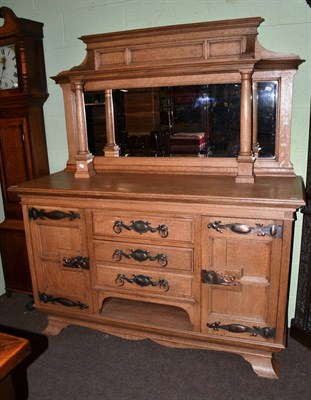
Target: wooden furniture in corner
{"type": "Point", "coordinates": [23, 152]}
{"type": "Point", "coordinates": [188, 252]}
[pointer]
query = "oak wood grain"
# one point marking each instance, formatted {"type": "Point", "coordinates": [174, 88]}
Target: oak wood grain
{"type": "Point", "coordinates": [12, 351]}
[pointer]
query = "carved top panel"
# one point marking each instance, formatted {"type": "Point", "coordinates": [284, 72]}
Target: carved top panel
{"type": "Point", "coordinates": [190, 49]}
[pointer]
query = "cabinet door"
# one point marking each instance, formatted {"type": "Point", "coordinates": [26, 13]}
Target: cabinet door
{"type": "Point", "coordinates": [240, 277]}
{"type": "Point", "coordinates": [61, 265]}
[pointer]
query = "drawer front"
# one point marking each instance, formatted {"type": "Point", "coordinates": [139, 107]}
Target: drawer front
{"type": "Point", "coordinates": [145, 284]}
{"type": "Point", "coordinates": [143, 226]}
{"type": "Point", "coordinates": [146, 255]}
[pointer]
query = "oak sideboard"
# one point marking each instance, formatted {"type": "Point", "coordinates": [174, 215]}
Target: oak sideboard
{"type": "Point", "coordinates": [191, 246]}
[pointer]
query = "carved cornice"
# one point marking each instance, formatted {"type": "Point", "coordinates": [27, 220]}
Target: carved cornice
{"type": "Point", "coordinates": [189, 49]}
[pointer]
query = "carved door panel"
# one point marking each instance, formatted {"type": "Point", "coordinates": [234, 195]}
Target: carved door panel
{"type": "Point", "coordinates": [60, 257]}
{"type": "Point", "coordinates": [240, 277]}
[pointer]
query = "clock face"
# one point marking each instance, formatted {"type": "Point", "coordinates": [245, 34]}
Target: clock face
{"type": "Point", "coordinates": [8, 68]}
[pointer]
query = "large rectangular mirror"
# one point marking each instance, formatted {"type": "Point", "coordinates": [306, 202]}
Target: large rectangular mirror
{"type": "Point", "coordinates": [182, 121]}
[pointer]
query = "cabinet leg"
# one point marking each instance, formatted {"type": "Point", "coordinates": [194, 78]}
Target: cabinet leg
{"type": "Point", "coordinates": [54, 327]}
{"type": "Point", "coordinates": [265, 366]}
{"type": "Point", "coordinates": [7, 388]}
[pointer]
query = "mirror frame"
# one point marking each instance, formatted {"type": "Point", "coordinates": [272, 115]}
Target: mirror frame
{"type": "Point", "coordinates": [192, 54]}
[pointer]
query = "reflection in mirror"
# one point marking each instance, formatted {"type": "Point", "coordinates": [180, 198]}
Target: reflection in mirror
{"type": "Point", "coordinates": [266, 117]}
{"type": "Point", "coordinates": [197, 120]}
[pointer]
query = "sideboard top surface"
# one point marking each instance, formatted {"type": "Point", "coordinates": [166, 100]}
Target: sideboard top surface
{"type": "Point", "coordinates": [271, 191]}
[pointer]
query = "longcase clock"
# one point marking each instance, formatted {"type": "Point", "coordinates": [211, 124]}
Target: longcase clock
{"type": "Point", "coordinates": [23, 152]}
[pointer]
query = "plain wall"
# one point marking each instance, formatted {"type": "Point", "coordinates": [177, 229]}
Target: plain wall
{"type": "Point", "coordinates": [287, 29]}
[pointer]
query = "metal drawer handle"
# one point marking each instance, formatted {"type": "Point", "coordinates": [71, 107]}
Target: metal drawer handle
{"type": "Point", "coordinates": [46, 298]}
{"type": "Point", "coordinates": [140, 227]}
{"type": "Point", "coordinates": [142, 280]}
{"type": "Point", "coordinates": [76, 262]}
{"type": "Point", "coordinates": [217, 278]}
{"type": "Point", "coordinates": [272, 230]}
{"type": "Point", "coordinates": [265, 332]}
{"type": "Point", "coordinates": [141, 256]}
{"type": "Point", "coordinates": [34, 213]}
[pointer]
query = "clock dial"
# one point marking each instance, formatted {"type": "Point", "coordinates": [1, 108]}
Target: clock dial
{"type": "Point", "coordinates": [8, 68]}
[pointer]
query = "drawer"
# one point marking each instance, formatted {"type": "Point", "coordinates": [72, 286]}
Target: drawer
{"type": "Point", "coordinates": [155, 283]}
{"type": "Point", "coordinates": [146, 255]}
{"type": "Point", "coordinates": [143, 226]}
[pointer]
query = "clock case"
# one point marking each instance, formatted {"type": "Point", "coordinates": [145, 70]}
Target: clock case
{"type": "Point", "coordinates": [23, 151]}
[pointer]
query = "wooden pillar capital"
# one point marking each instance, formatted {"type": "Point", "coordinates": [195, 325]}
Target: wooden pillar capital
{"type": "Point", "coordinates": [77, 85]}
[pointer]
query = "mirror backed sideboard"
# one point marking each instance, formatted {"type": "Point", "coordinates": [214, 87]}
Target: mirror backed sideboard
{"type": "Point", "coordinates": [221, 91]}
{"type": "Point", "coordinates": [173, 217]}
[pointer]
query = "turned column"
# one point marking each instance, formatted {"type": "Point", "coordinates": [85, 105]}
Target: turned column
{"type": "Point", "coordinates": [111, 149]}
{"type": "Point", "coordinates": [245, 158]}
{"type": "Point", "coordinates": [71, 124]}
{"type": "Point", "coordinates": [83, 158]}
